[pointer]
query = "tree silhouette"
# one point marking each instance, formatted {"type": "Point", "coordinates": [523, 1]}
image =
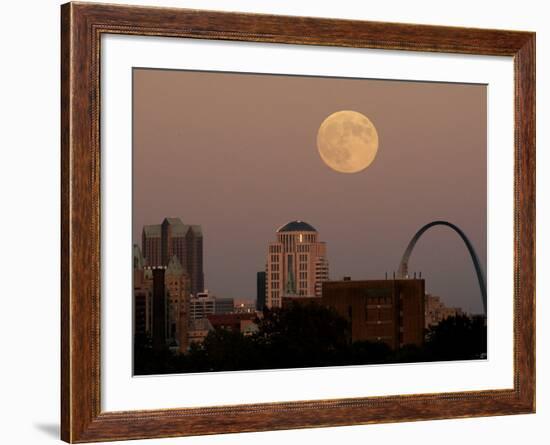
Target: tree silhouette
{"type": "Point", "coordinates": [457, 338]}
{"type": "Point", "coordinates": [309, 335]}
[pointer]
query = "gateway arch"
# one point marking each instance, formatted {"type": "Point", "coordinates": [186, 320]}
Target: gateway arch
{"type": "Point", "coordinates": [403, 271]}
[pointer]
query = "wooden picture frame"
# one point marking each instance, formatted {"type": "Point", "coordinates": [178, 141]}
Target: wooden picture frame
{"type": "Point", "coordinates": [82, 25]}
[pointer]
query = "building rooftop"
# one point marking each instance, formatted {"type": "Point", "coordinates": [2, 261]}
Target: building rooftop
{"type": "Point", "coordinates": [152, 230]}
{"type": "Point", "coordinates": [179, 228]}
{"type": "Point", "coordinates": [297, 226]}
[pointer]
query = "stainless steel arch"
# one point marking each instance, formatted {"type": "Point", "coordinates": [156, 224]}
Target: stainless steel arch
{"type": "Point", "coordinates": [404, 265]}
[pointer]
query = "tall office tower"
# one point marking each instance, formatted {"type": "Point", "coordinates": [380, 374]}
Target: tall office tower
{"type": "Point", "coordinates": [176, 281]}
{"type": "Point", "coordinates": [260, 291]}
{"type": "Point", "coordinates": [151, 245]}
{"type": "Point", "coordinates": [160, 242]}
{"type": "Point", "coordinates": [159, 309]}
{"type": "Point", "coordinates": [297, 264]}
{"type": "Point", "coordinates": [143, 296]}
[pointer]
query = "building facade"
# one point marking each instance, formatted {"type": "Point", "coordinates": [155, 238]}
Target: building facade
{"type": "Point", "coordinates": [389, 311]}
{"type": "Point", "coordinates": [177, 295]}
{"type": "Point", "coordinates": [161, 306]}
{"type": "Point", "coordinates": [143, 296]}
{"type": "Point", "coordinates": [159, 309]}
{"type": "Point", "coordinates": [436, 311]}
{"type": "Point", "coordinates": [260, 290]}
{"type": "Point", "coordinates": [296, 263]}
{"type": "Point", "coordinates": [243, 323]}
{"type": "Point", "coordinates": [151, 242]}
{"type": "Point", "coordinates": [201, 306]}
{"type": "Point", "coordinates": [160, 242]}
{"type": "Point", "coordinates": [224, 305]}
{"type": "Point", "coordinates": [245, 307]}
{"type": "Point", "coordinates": [204, 304]}
{"type": "Point", "coordinates": [198, 330]}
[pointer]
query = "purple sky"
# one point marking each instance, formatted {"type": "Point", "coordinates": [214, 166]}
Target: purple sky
{"type": "Point", "coordinates": [236, 153]}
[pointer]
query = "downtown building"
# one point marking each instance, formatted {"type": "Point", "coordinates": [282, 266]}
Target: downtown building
{"type": "Point", "coordinates": [296, 264]}
{"type": "Point", "coordinates": [204, 304]}
{"type": "Point", "coordinates": [436, 311]}
{"type": "Point", "coordinates": [161, 242]}
{"type": "Point", "coordinates": [388, 311]}
{"type": "Point", "coordinates": [161, 303]}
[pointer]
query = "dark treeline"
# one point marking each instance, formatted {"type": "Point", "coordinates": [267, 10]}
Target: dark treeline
{"type": "Point", "coordinates": [311, 335]}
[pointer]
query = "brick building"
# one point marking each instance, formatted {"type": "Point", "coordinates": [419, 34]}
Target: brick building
{"type": "Point", "coordinates": [391, 311]}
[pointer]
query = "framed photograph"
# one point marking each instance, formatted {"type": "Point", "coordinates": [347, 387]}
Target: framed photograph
{"type": "Point", "coordinates": [274, 222]}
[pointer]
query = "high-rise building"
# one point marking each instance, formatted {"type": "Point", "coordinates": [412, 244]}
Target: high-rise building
{"type": "Point", "coordinates": [177, 295]}
{"type": "Point", "coordinates": [159, 309]}
{"type": "Point", "coordinates": [160, 242]}
{"type": "Point", "coordinates": [151, 245]}
{"type": "Point", "coordinates": [161, 306]}
{"type": "Point", "coordinates": [260, 290]}
{"type": "Point", "coordinates": [143, 296]}
{"type": "Point", "coordinates": [389, 311]}
{"type": "Point", "coordinates": [297, 263]}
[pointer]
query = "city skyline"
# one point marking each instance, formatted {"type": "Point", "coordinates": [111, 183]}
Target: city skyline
{"type": "Point", "coordinates": [366, 219]}
{"type": "Point", "coordinates": [289, 238]}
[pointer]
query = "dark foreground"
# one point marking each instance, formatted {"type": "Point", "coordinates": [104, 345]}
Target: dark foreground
{"type": "Point", "coordinates": [303, 336]}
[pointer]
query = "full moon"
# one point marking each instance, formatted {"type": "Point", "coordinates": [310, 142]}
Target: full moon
{"type": "Point", "coordinates": [347, 141]}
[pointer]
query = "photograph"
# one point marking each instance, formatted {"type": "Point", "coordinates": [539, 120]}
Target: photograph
{"type": "Point", "coordinates": [292, 221]}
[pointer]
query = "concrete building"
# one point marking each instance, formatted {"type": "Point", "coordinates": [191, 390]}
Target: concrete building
{"type": "Point", "coordinates": [204, 304]}
{"type": "Point", "coordinates": [296, 263]}
{"type": "Point", "coordinates": [390, 311]}
{"type": "Point", "coordinates": [160, 242]}
{"type": "Point", "coordinates": [436, 311]}
{"type": "Point", "coordinates": [201, 305]}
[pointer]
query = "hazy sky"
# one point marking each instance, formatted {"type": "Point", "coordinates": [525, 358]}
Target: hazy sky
{"type": "Point", "coordinates": [236, 153]}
